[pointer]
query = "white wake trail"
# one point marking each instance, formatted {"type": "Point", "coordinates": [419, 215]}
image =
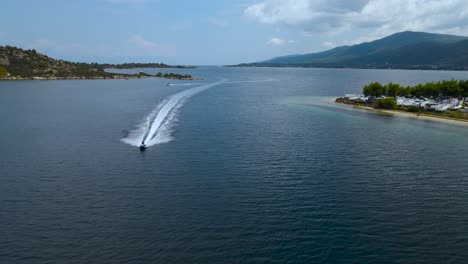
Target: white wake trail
{"type": "Point", "coordinates": [156, 126]}
{"type": "Point", "coordinates": [231, 82]}
{"type": "Point", "coordinates": [184, 84]}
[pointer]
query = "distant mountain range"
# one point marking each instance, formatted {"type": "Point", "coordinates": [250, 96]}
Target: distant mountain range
{"type": "Point", "coordinates": [404, 50]}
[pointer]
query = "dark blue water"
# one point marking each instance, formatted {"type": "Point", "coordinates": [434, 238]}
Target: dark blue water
{"type": "Point", "coordinates": [254, 172]}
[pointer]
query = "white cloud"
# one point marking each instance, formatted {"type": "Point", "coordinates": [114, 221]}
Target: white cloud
{"type": "Point", "coordinates": [383, 17]}
{"type": "Point", "coordinates": [277, 11]}
{"type": "Point", "coordinates": [140, 41]}
{"type": "Point", "coordinates": [276, 41]}
{"type": "Point", "coordinates": [279, 42]}
{"type": "Point", "coordinates": [328, 44]}
{"type": "Point", "coordinates": [310, 15]}
{"type": "Point", "coordinates": [152, 48]}
{"type": "Point", "coordinates": [218, 22]}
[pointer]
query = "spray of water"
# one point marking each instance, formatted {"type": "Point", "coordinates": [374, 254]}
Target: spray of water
{"type": "Point", "coordinates": [156, 127]}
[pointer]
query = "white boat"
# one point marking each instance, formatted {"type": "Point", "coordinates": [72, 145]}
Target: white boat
{"type": "Point", "coordinates": [400, 100]}
{"type": "Point", "coordinates": [455, 107]}
{"type": "Point", "coordinates": [352, 96]}
{"type": "Point", "coordinates": [430, 106]}
{"type": "Point", "coordinates": [409, 102]}
{"type": "Point", "coordinates": [442, 107]}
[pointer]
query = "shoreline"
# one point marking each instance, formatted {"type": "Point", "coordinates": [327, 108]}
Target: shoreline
{"type": "Point", "coordinates": [349, 68]}
{"type": "Point", "coordinates": [421, 116]}
{"type": "Point", "coordinates": [115, 77]}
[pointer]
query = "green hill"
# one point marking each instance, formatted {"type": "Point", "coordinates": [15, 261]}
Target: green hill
{"type": "Point", "coordinates": [16, 63]}
{"type": "Point", "coordinates": [407, 50]}
{"type": "Point", "coordinates": [29, 63]}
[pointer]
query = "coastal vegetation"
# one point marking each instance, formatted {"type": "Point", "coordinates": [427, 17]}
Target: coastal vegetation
{"type": "Point", "coordinates": [142, 65]}
{"type": "Point", "coordinates": [3, 72]}
{"type": "Point", "coordinates": [451, 88]}
{"type": "Point", "coordinates": [172, 75]}
{"type": "Point", "coordinates": [445, 99]}
{"type": "Point", "coordinates": [386, 103]}
{"type": "Point", "coordinates": [17, 63]}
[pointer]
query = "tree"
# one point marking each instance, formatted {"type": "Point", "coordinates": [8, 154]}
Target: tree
{"type": "Point", "coordinates": [3, 72]}
{"type": "Point", "coordinates": [464, 86]}
{"type": "Point", "coordinates": [450, 88]}
{"type": "Point", "coordinates": [445, 88]}
{"type": "Point", "coordinates": [419, 90]}
{"type": "Point", "coordinates": [409, 91]}
{"type": "Point", "coordinates": [386, 103]}
{"type": "Point", "coordinates": [374, 89]}
{"type": "Point", "coordinates": [393, 89]}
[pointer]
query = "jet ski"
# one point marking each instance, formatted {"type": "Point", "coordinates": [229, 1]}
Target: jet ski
{"type": "Point", "coordinates": [142, 146]}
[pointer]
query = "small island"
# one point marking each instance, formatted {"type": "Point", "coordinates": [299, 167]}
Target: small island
{"type": "Point", "coordinates": [144, 65]}
{"type": "Point", "coordinates": [445, 99]}
{"type": "Point", "coordinates": [20, 64]}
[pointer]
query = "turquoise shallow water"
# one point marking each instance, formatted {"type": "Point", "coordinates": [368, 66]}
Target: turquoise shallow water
{"type": "Point", "coordinates": [254, 172]}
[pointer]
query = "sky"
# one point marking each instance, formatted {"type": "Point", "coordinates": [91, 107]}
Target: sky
{"type": "Point", "coordinates": [214, 32]}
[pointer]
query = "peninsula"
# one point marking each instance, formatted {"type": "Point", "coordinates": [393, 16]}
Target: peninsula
{"type": "Point", "coordinates": [445, 99]}
{"type": "Point", "coordinates": [20, 64]}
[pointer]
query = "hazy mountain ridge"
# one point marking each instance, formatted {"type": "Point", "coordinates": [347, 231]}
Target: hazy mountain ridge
{"type": "Point", "coordinates": [414, 50]}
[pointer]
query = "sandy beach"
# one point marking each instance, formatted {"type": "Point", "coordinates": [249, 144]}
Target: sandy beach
{"type": "Point", "coordinates": [421, 116]}
{"type": "Point", "coordinates": [330, 102]}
